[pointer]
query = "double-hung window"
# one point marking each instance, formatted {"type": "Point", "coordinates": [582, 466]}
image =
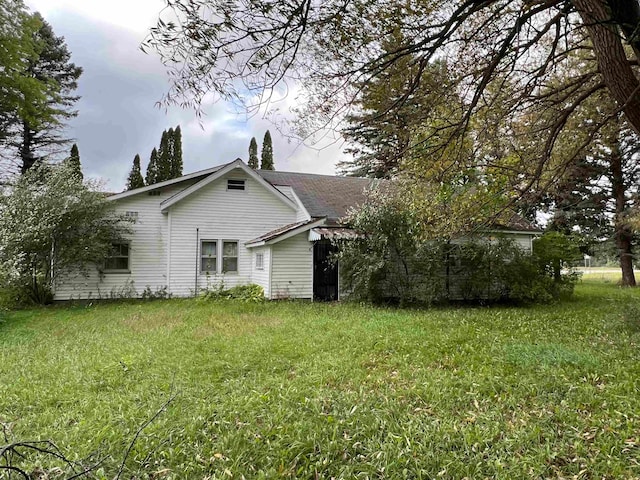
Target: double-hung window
{"type": "Point", "coordinates": [229, 256]}
{"type": "Point", "coordinates": [209, 256]}
{"type": "Point", "coordinates": [118, 260]}
{"type": "Point", "coordinates": [259, 261]}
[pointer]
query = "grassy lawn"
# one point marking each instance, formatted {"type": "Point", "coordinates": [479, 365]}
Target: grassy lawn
{"type": "Point", "coordinates": [319, 391]}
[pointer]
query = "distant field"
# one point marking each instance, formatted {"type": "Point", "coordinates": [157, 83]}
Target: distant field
{"type": "Point", "coordinates": [603, 274]}
{"type": "Point", "coordinates": [301, 390]}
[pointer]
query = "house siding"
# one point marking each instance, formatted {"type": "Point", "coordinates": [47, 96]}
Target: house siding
{"type": "Point", "coordinates": [292, 268]}
{"type": "Point", "coordinates": [220, 214]}
{"type": "Point", "coordinates": [147, 254]}
{"type": "Point", "coordinates": [261, 277]}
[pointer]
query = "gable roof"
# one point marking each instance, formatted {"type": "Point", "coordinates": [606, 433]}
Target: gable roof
{"type": "Point", "coordinates": [322, 195]}
{"type": "Point", "coordinates": [238, 163]}
{"type": "Point", "coordinates": [166, 183]}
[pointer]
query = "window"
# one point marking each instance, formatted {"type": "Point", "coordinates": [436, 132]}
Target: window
{"type": "Point", "coordinates": [235, 184]}
{"type": "Point", "coordinates": [118, 260]}
{"type": "Point", "coordinates": [209, 256]}
{"type": "Point", "coordinates": [131, 215]}
{"type": "Point", "coordinates": [259, 261]}
{"type": "Point", "coordinates": [229, 256]}
{"type": "Point", "coordinates": [154, 193]}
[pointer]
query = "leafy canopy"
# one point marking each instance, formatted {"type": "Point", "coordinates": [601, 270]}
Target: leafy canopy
{"type": "Point", "coordinates": [51, 223]}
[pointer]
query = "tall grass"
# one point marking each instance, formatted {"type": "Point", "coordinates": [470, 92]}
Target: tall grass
{"type": "Point", "coordinates": [304, 390]}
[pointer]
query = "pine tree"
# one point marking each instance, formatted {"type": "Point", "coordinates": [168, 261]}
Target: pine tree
{"type": "Point", "coordinates": [253, 153]}
{"type": "Point", "coordinates": [135, 179]}
{"type": "Point", "coordinates": [267, 152]}
{"type": "Point", "coordinates": [36, 139]}
{"type": "Point", "coordinates": [152, 168]}
{"type": "Point", "coordinates": [164, 157]}
{"type": "Point", "coordinates": [74, 162]}
{"type": "Point", "coordinates": [176, 150]}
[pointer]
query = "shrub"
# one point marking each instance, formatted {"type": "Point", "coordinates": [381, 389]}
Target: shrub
{"type": "Point", "coordinates": [157, 294]}
{"type": "Point", "coordinates": [50, 222]}
{"type": "Point", "coordinates": [245, 293]}
{"type": "Point", "coordinates": [391, 262]}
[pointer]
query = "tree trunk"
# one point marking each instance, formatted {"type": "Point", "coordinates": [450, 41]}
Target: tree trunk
{"type": "Point", "coordinates": [26, 153]}
{"type": "Point", "coordinates": [614, 66]}
{"type": "Point", "coordinates": [623, 235]}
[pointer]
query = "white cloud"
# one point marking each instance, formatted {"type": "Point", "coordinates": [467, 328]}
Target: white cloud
{"type": "Point", "coordinates": [136, 15]}
{"type": "Point", "coordinates": [120, 85]}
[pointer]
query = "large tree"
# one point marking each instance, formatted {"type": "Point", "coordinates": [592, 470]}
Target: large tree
{"type": "Point", "coordinates": [21, 95]}
{"type": "Point", "coordinates": [50, 223]}
{"type": "Point", "coordinates": [266, 162]}
{"type": "Point", "coordinates": [152, 168]}
{"type": "Point", "coordinates": [74, 162]}
{"type": "Point", "coordinates": [525, 73]}
{"type": "Point", "coordinates": [37, 133]}
{"type": "Point", "coordinates": [597, 194]}
{"type": "Point", "coordinates": [135, 180]}
{"type": "Point", "coordinates": [253, 154]}
{"type": "Point", "coordinates": [176, 153]}
{"type": "Point", "coordinates": [333, 49]}
{"type": "Point", "coordinates": [166, 163]}
{"type": "Point", "coordinates": [164, 157]}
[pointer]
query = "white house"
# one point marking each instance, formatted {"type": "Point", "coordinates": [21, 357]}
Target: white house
{"type": "Point", "coordinates": [231, 225]}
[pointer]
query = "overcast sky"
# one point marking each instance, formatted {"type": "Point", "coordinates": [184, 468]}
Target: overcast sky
{"type": "Point", "coordinates": [121, 85]}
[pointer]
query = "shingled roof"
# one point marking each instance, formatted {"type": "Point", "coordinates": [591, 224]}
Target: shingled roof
{"type": "Point", "coordinates": [322, 195]}
{"type": "Point", "coordinates": [331, 197]}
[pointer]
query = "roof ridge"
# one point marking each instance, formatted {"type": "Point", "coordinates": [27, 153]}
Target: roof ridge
{"type": "Point", "coordinates": [315, 174]}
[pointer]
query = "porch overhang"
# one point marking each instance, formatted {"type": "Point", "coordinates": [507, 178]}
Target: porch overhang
{"type": "Point", "coordinates": [333, 233]}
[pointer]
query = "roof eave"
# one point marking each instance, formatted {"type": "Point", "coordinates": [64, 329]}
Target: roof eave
{"type": "Point", "coordinates": [288, 234]}
{"type": "Point", "coordinates": [166, 183]}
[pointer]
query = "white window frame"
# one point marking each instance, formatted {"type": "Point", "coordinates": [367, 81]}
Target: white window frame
{"type": "Point", "coordinates": [222, 256]}
{"type": "Point", "coordinates": [127, 256]}
{"type": "Point", "coordinates": [201, 256]}
{"type": "Point", "coordinates": [259, 261]}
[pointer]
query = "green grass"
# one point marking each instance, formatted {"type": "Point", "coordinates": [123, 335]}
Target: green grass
{"type": "Point", "coordinates": [321, 390]}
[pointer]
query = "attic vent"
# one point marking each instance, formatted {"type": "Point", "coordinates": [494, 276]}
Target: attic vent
{"type": "Point", "coordinates": [235, 184]}
{"type": "Point", "coordinates": [154, 193]}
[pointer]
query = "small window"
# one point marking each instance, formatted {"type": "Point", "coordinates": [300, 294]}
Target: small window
{"type": "Point", "coordinates": [209, 257]}
{"type": "Point", "coordinates": [118, 260]}
{"type": "Point", "coordinates": [229, 256]}
{"type": "Point", "coordinates": [154, 193]}
{"type": "Point", "coordinates": [259, 261]}
{"type": "Point", "coordinates": [131, 215]}
{"type": "Point", "coordinates": [235, 184]}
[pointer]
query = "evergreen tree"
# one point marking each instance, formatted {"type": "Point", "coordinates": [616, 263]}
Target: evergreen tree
{"type": "Point", "coordinates": [135, 179]}
{"type": "Point", "coordinates": [253, 153]}
{"type": "Point", "coordinates": [152, 168]}
{"type": "Point", "coordinates": [379, 132]}
{"type": "Point", "coordinates": [267, 152]}
{"type": "Point", "coordinates": [22, 95]}
{"type": "Point", "coordinates": [74, 162]}
{"type": "Point", "coordinates": [37, 131]}
{"type": "Point", "coordinates": [164, 157]}
{"type": "Point", "coordinates": [176, 153]}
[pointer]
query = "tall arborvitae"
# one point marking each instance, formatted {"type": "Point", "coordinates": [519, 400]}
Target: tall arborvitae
{"type": "Point", "coordinates": [152, 168]}
{"type": "Point", "coordinates": [74, 162]}
{"type": "Point", "coordinates": [267, 152]}
{"type": "Point", "coordinates": [253, 153]}
{"type": "Point", "coordinates": [135, 179]}
{"type": "Point", "coordinates": [164, 157]}
{"type": "Point", "coordinates": [176, 153]}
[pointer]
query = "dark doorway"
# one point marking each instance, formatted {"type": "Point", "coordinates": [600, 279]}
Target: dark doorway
{"type": "Point", "coordinates": [325, 272]}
